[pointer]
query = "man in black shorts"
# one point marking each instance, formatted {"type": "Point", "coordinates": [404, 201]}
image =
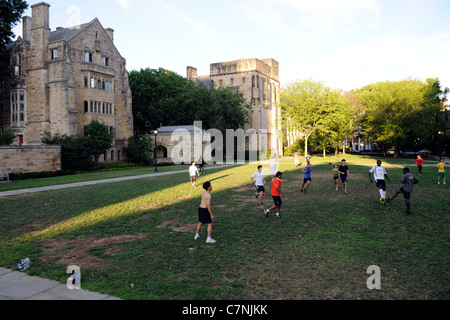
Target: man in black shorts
{"type": "Point", "coordinates": [344, 172]}
{"type": "Point", "coordinates": [408, 180]}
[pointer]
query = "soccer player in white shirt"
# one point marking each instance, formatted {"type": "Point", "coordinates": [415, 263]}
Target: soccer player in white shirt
{"type": "Point", "coordinates": [380, 175]}
{"type": "Point", "coordinates": [258, 179]}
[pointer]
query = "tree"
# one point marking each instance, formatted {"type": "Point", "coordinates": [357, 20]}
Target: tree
{"type": "Point", "coordinates": [399, 112]}
{"type": "Point", "coordinates": [164, 97]}
{"type": "Point", "coordinates": [99, 137]}
{"type": "Point", "coordinates": [7, 137]}
{"type": "Point", "coordinates": [76, 151]}
{"type": "Point", "coordinates": [139, 149]}
{"type": "Point", "coordinates": [11, 12]}
{"type": "Point", "coordinates": [310, 108]}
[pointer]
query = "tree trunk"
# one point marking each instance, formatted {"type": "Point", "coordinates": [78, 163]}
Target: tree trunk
{"type": "Point", "coordinates": [343, 148]}
{"type": "Point", "coordinates": [306, 147]}
{"type": "Point", "coordinates": [396, 150]}
{"type": "Point", "coordinates": [336, 150]}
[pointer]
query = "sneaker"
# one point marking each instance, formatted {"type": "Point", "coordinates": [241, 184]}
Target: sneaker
{"type": "Point", "coordinates": [260, 203]}
{"type": "Point", "coordinates": [346, 191]}
{"type": "Point", "coordinates": [266, 212]}
{"type": "Point", "coordinates": [301, 190]}
{"type": "Point", "coordinates": [305, 191]}
{"type": "Point", "coordinates": [210, 240]}
{"type": "Point", "coordinates": [408, 213]}
{"type": "Point", "coordinates": [445, 183]}
{"type": "Point", "coordinates": [337, 189]}
{"type": "Point", "coordinates": [256, 195]}
{"type": "Point", "coordinates": [278, 216]}
{"type": "Point", "coordinates": [439, 183]}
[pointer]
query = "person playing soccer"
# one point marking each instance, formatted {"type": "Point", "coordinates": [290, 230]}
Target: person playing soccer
{"type": "Point", "coordinates": [379, 174]}
{"type": "Point", "coordinates": [419, 162]}
{"type": "Point", "coordinates": [335, 173]}
{"type": "Point", "coordinates": [202, 165]}
{"type": "Point", "coordinates": [205, 215]}
{"type": "Point", "coordinates": [276, 195]}
{"type": "Point", "coordinates": [193, 171]}
{"type": "Point", "coordinates": [258, 179]}
{"type": "Point", "coordinates": [273, 165]}
{"type": "Point", "coordinates": [344, 173]}
{"type": "Point", "coordinates": [307, 177]}
{"type": "Point", "coordinates": [296, 159]}
{"type": "Point", "coordinates": [409, 180]}
{"type": "Point", "coordinates": [442, 173]}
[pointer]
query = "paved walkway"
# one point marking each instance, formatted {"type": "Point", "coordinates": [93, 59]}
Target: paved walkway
{"type": "Point", "coordinates": [91, 183]}
{"type": "Point", "coordinates": [16, 285]}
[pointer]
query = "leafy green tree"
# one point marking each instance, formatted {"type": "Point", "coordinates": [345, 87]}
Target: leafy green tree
{"type": "Point", "coordinates": [317, 112]}
{"type": "Point", "coordinates": [139, 149]}
{"type": "Point", "coordinates": [99, 137]}
{"type": "Point", "coordinates": [7, 137]}
{"type": "Point", "coordinates": [11, 12]}
{"type": "Point", "coordinates": [164, 97]}
{"type": "Point", "coordinates": [399, 112]}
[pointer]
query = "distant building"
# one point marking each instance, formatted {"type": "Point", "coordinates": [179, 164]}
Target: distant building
{"type": "Point", "coordinates": [58, 81]}
{"type": "Point", "coordinates": [257, 81]}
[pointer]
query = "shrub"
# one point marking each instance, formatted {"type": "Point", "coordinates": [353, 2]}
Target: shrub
{"type": "Point", "coordinates": [139, 150]}
{"type": "Point", "coordinates": [7, 137]}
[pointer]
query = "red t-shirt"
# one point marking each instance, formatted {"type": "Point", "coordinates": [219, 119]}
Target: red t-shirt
{"type": "Point", "coordinates": [275, 191]}
{"type": "Point", "coordinates": [419, 162]}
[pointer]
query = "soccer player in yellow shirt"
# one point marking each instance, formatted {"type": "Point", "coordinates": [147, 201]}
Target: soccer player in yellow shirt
{"type": "Point", "coordinates": [442, 173]}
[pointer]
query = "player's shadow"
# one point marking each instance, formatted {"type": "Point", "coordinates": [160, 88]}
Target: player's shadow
{"type": "Point", "coordinates": [218, 178]}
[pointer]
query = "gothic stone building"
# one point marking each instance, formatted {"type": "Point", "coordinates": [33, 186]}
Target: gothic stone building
{"type": "Point", "coordinates": [58, 81]}
{"type": "Point", "coordinates": [257, 81]}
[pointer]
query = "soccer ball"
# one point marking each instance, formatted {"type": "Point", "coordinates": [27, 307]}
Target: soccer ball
{"type": "Point", "coordinates": [383, 201]}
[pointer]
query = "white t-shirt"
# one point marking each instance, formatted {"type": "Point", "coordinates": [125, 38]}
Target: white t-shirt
{"type": "Point", "coordinates": [192, 171]}
{"type": "Point", "coordinates": [379, 172]}
{"type": "Point", "coordinates": [259, 177]}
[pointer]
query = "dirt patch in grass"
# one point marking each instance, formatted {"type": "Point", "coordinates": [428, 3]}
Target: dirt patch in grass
{"type": "Point", "coordinates": [175, 225]}
{"type": "Point", "coordinates": [77, 252]}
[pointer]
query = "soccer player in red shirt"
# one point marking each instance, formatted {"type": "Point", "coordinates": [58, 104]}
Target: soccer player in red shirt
{"type": "Point", "coordinates": [276, 195]}
{"type": "Point", "coordinates": [419, 162]}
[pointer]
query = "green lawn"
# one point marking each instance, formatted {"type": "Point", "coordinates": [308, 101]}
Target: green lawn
{"type": "Point", "coordinates": [134, 239]}
{"type": "Point", "coordinates": [88, 176]}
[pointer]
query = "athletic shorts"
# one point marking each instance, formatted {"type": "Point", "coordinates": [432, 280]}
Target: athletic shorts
{"type": "Point", "coordinates": [406, 195]}
{"type": "Point", "coordinates": [336, 178]}
{"type": "Point", "coordinates": [193, 178]}
{"type": "Point", "coordinates": [305, 181]}
{"type": "Point", "coordinates": [204, 216]}
{"type": "Point", "coordinates": [344, 179]}
{"type": "Point", "coordinates": [381, 184]}
{"type": "Point", "coordinates": [442, 175]}
{"type": "Point", "coordinates": [277, 200]}
{"type": "Point", "coordinates": [260, 189]}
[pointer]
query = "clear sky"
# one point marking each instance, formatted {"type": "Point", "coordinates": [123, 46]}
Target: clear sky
{"type": "Point", "coordinates": [346, 44]}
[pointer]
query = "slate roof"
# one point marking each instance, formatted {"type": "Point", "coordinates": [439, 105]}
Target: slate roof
{"type": "Point", "coordinates": [67, 33]}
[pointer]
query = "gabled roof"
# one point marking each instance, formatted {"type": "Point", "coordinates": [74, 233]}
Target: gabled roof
{"type": "Point", "coordinates": [67, 34]}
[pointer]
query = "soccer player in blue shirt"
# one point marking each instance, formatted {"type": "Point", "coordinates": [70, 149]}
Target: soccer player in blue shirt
{"type": "Point", "coordinates": [307, 177]}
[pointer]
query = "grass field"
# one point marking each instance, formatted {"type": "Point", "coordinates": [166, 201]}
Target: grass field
{"type": "Point", "coordinates": [134, 239]}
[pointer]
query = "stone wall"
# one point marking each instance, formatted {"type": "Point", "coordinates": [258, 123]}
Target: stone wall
{"type": "Point", "coordinates": [28, 159]}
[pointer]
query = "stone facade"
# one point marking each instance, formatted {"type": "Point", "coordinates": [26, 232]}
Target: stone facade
{"type": "Point", "coordinates": [258, 81]}
{"type": "Point", "coordinates": [28, 159]}
{"type": "Point", "coordinates": [58, 81]}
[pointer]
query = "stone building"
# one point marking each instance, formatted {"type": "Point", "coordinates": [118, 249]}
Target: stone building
{"type": "Point", "coordinates": [257, 81]}
{"type": "Point", "coordinates": [58, 81]}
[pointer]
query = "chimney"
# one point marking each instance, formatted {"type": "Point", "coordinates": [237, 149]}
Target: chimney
{"type": "Point", "coordinates": [191, 73]}
{"type": "Point", "coordinates": [27, 23]}
{"type": "Point", "coordinates": [41, 15]}
{"type": "Point", "coordinates": [110, 33]}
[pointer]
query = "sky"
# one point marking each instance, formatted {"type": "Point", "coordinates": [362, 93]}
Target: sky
{"type": "Point", "coordinates": [347, 44]}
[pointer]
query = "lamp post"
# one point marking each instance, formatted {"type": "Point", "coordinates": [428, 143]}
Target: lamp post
{"type": "Point", "coordinates": [156, 150]}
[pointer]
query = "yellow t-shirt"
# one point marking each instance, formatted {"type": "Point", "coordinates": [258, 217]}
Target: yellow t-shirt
{"type": "Point", "coordinates": [441, 167]}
